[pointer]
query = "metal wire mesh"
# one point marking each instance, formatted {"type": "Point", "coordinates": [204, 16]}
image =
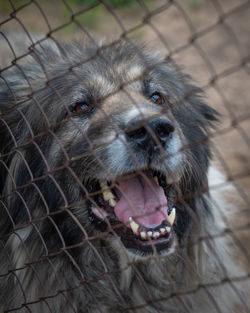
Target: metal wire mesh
{"type": "Point", "coordinates": [104, 195]}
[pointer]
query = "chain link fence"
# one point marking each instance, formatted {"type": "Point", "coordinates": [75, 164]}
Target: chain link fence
{"type": "Point", "coordinates": [107, 199]}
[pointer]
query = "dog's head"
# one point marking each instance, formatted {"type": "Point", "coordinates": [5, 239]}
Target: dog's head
{"type": "Point", "coordinates": [114, 135]}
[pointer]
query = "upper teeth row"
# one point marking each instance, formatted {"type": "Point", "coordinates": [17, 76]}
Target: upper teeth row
{"type": "Point", "coordinates": [108, 194]}
{"type": "Point", "coordinates": [156, 180]}
{"type": "Point", "coordinates": [153, 234]}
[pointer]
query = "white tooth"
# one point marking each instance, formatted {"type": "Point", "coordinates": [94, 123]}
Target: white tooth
{"type": "Point", "coordinates": [168, 229]}
{"type": "Point", "coordinates": [134, 226]}
{"type": "Point", "coordinates": [162, 230]}
{"type": "Point", "coordinates": [112, 202]}
{"type": "Point", "coordinates": [103, 184]}
{"type": "Point", "coordinates": [156, 180]}
{"type": "Point", "coordinates": [107, 195]}
{"type": "Point", "coordinates": [156, 234]}
{"type": "Point", "coordinates": [149, 233]}
{"type": "Point", "coordinates": [171, 217]}
{"type": "Point", "coordinates": [143, 235]}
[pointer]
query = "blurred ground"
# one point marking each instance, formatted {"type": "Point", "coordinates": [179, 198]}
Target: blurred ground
{"type": "Point", "coordinates": [218, 53]}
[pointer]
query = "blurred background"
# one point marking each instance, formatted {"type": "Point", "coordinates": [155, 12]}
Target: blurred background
{"type": "Point", "coordinates": [209, 39]}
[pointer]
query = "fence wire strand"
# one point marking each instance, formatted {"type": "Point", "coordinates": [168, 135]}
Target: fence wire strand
{"type": "Point", "coordinates": [90, 128]}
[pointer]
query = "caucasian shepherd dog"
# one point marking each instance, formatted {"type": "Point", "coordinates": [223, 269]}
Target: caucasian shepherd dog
{"type": "Point", "coordinates": [104, 190]}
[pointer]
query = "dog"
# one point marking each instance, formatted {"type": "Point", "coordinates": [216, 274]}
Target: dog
{"type": "Point", "coordinates": [105, 202]}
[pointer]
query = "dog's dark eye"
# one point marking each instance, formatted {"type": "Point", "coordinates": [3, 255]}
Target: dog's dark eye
{"type": "Point", "coordinates": [82, 108]}
{"type": "Point", "coordinates": [157, 98]}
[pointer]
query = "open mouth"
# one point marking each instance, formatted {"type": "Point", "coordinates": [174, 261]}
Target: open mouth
{"type": "Point", "coordinates": [139, 208]}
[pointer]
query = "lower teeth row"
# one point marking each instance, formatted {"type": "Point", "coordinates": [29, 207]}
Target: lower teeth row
{"type": "Point", "coordinates": [107, 194]}
{"type": "Point", "coordinates": [148, 234]}
{"type": "Point", "coordinates": [154, 234]}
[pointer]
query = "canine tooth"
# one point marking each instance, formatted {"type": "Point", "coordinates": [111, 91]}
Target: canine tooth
{"type": "Point", "coordinates": [112, 202]}
{"type": "Point", "coordinates": [156, 180]}
{"type": "Point", "coordinates": [143, 234]}
{"type": "Point", "coordinates": [103, 184]}
{"type": "Point", "coordinates": [162, 230]}
{"type": "Point", "coordinates": [171, 217]}
{"type": "Point", "coordinates": [134, 226]}
{"type": "Point", "coordinates": [156, 234]}
{"type": "Point", "coordinates": [107, 195]}
{"type": "Point", "coordinates": [149, 233]}
{"type": "Point", "coordinates": [168, 229]}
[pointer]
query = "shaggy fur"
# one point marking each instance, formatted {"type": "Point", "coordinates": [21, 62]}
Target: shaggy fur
{"type": "Point", "coordinates": [55, 257]}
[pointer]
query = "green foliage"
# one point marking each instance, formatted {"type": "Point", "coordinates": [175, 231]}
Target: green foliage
{"type": "Point", "coordinates": [195, 4]}
{"type": "Point", "coordinates": [114, 3]}
{"type": "Point", "coordinates": [90, 18]}
{"type": "Point", "coordinates": [5, 6]}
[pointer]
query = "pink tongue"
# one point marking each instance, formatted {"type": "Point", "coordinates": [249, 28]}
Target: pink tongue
{"type": "Point", "coordinates": [142, 199]}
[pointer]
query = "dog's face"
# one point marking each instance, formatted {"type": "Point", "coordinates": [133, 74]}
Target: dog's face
{"type": "Point", "coordinates": [128, 147]}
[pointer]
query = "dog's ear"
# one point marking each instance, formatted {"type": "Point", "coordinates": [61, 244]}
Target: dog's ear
{"type": "Point", "coordinates": [196, 99]}
{"type": "Point", "coordinates": [210, 114]}
{"type": "Point", "coordinates": [6, 102]}
{"type": "Point", "coordinates": [9, 116]}
{"type": "Point", "coordinates": [11, 124]}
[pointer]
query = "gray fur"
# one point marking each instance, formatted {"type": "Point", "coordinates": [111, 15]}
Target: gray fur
{"type": "Point", "coordinates": [39, 273]}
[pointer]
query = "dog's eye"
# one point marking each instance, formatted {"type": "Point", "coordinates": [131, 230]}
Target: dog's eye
{"type": "Point", "coordinates": [157, 98]}
{"type": "Point", "coordinates": [82, 108]}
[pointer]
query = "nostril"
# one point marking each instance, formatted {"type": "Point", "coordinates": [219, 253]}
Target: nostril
{"type": "Point", "coordinates": [137, 134]}
{"type": "Point", "coordinates": [163, 130]}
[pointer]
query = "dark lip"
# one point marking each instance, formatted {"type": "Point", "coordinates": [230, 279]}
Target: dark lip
{"type": "Point", "coordinates": [149, 246]}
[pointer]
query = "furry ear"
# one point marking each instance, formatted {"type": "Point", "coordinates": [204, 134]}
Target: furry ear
{"type": "Point", "coordinates": [197, 99]}
{"type": "Point", "coordinates": [10, 125]}
{"type": "Point", "coordinates": [12, 174]}
{"type": "Point", "coordinates": [7, 139]}
{"type": "Point", "coordinates": [209, 113]}
{"type": "Point", "coordinates": [8, 114]}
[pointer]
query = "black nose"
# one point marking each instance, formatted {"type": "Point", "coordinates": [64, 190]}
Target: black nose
{"type": "Point", "coordinates": [147, 133]}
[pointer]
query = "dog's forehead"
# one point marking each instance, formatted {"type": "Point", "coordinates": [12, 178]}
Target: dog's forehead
{"type": "Point", "coordinates": [115, 66]}
{"type": "Point", "coordinates": [116, 77]}
{"type": "Point", "coordinates": [109, 71]}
